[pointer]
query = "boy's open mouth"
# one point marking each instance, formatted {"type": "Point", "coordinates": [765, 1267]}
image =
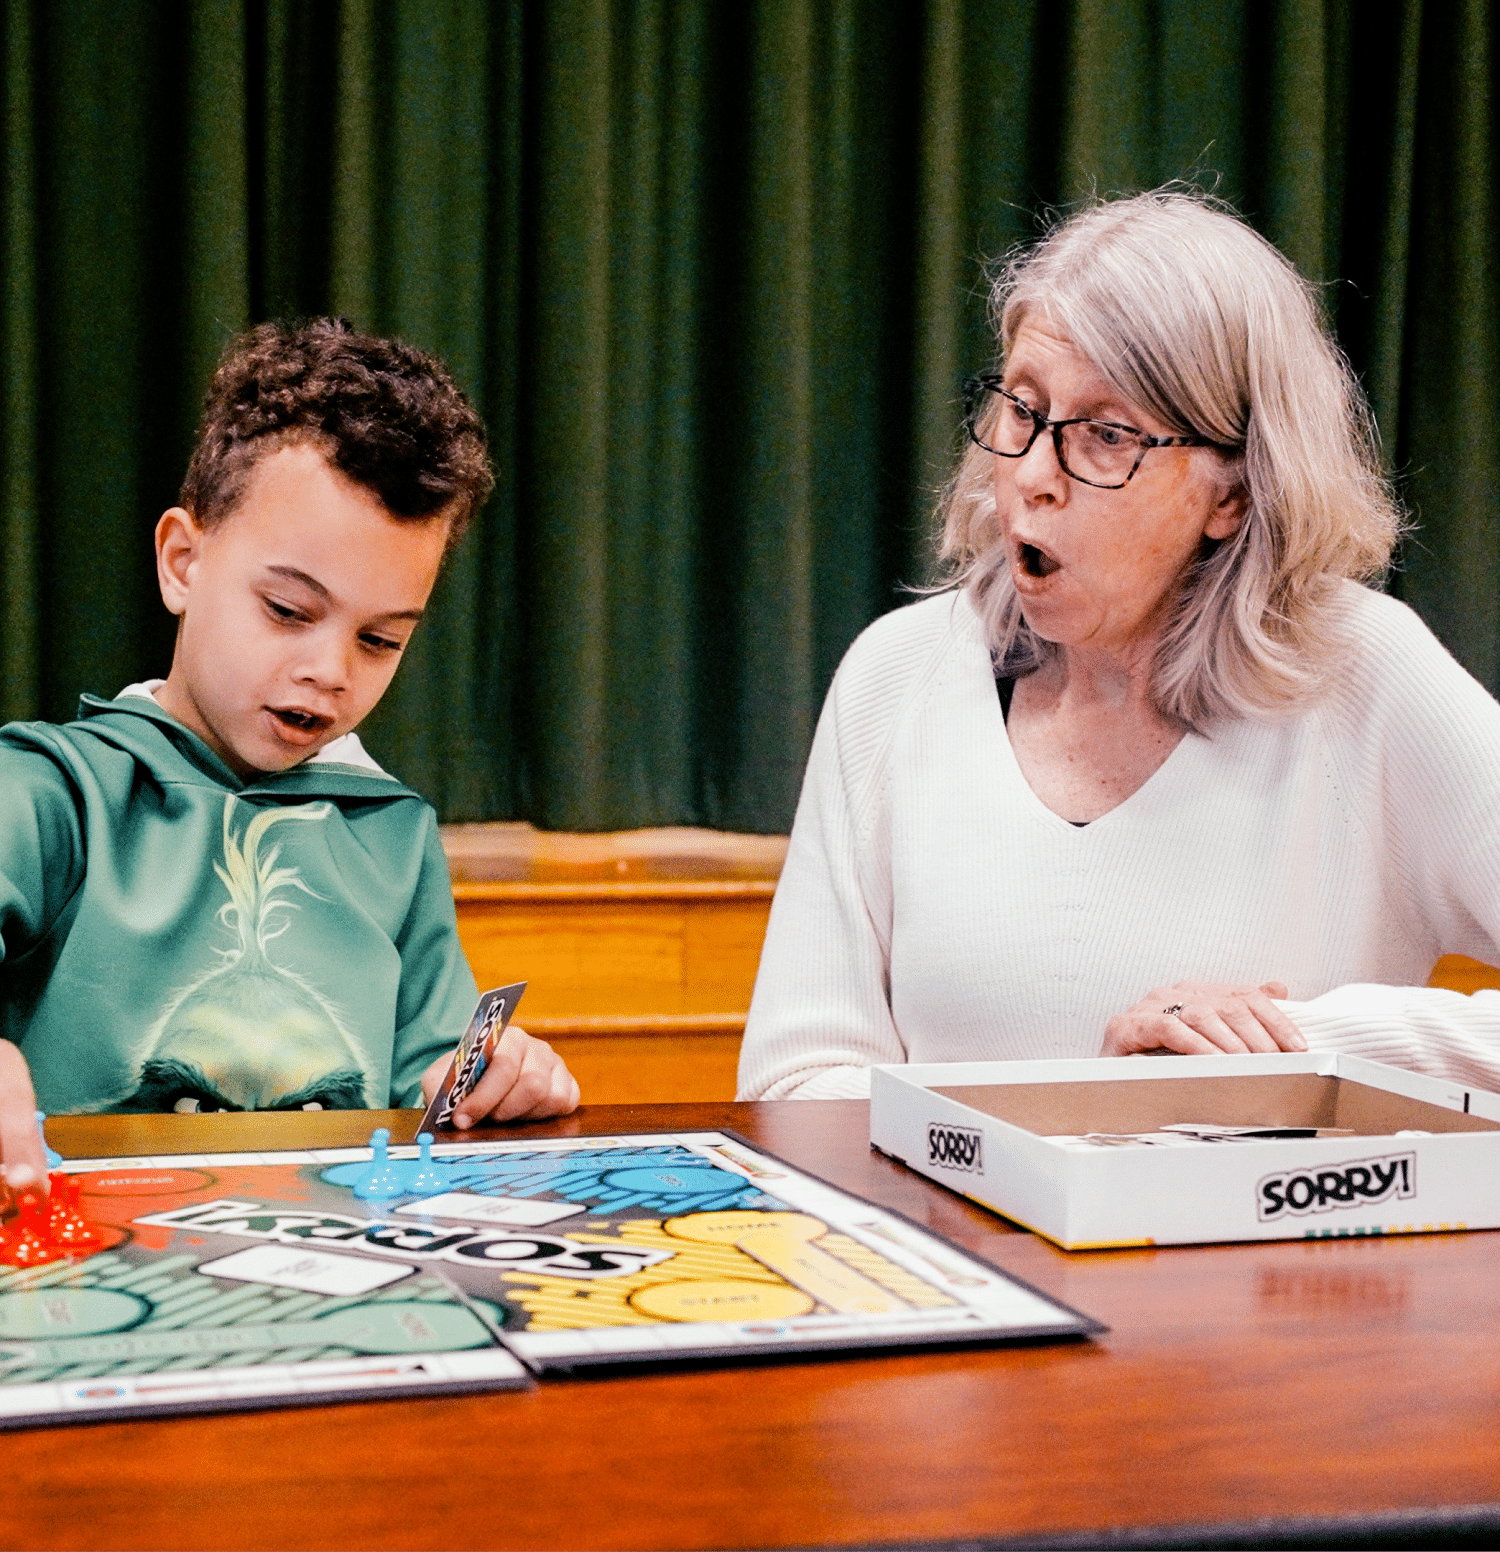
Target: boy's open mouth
{"type": "Point", "coordinates": [1036, 562]}
{"type": "Point", "coordinates": [302, 724]}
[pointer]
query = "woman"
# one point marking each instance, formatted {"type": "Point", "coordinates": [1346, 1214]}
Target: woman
{"type": "Point", "coordinates": [1157, 772]}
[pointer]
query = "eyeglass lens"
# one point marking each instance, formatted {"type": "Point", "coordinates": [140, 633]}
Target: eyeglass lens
{"type": "Point", "coordinates": [1092, 450]}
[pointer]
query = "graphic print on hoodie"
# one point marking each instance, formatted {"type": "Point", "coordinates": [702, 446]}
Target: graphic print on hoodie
{"type": "Point", "coordinates": [250, 1034]}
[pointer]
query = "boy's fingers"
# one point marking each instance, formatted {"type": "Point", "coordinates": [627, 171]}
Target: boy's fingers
{"type": "Point", "coordinates": [543, 1087]}
{"type": "Point", "coordinates": [532, 1083]}
{"type": "Point", "coordinates": [527, 1097]}
{"type": "Point", "coordinates": [502, 1069]}
{"type": "Point", "coordinates": [547, 1084]}
{"type": "Point", "coordinates": [20, 1146]}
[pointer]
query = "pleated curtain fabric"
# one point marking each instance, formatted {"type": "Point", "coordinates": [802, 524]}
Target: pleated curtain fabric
{"type": "Point", "coordinates": [714, 274]}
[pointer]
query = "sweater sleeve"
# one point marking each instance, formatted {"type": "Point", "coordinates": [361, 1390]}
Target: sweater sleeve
{"type": "Point", "coordinates": [437, 993]}
{"type": "Point", "coordinates": [1428, 1029]}
{"type": "Point", "coordinates": [1436, 736]}
{"type": "Point", "coordinates": [820, 1015]}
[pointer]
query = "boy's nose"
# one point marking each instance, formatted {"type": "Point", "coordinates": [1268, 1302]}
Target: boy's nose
{"type": "Point", "coordinates": [325, 663]}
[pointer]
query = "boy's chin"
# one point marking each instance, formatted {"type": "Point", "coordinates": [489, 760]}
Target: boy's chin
{"type": "Point", "coordinates": [271, 757]}
{"type": "Point", "coordinates": [290, 759]}
{"type": "Point", "coordinates": [278, 746]}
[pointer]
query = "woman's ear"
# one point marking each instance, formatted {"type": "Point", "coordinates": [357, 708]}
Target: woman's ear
{"type": "Point", "coordinates": [1228, 512]}
{"type": "Point", "coordinates": [178, 541]}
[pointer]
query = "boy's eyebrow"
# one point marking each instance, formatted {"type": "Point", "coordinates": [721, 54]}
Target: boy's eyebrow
{"type": "Point", "coordinates": [292, 574]}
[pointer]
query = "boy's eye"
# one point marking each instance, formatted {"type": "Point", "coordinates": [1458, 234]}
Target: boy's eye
{"type": "Point", "coordinates": [381, 643]}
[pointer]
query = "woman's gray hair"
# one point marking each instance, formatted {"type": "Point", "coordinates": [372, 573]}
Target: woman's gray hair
{"type": "Point", "coordinates": [1197, 319]}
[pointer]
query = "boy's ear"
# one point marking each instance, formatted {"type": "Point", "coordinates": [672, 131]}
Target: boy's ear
{"type": "Point", "coordinates": [178, 541]}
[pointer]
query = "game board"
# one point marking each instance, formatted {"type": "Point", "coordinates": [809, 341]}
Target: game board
{"type": "Point", "coordinates": [241, 1280]}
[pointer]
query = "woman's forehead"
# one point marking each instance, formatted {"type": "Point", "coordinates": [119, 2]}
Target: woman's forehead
{"type": "Point", "coordinates": [1037, 339]}
{"type": "Point", "coordinates": [1038, 349]}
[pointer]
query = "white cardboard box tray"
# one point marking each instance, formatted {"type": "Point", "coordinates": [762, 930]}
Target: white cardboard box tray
{"type": "Point", "coordinates": [1008, 1135]}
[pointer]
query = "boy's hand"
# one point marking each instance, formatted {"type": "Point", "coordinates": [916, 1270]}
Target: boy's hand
{"type": "Point", "coordinates": [25, 1164]}
{"type": "Point", "coordinates": [524, 1080]}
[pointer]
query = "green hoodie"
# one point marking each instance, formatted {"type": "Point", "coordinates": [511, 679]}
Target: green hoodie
{"type": "Point", "coordinates": [173, 938]}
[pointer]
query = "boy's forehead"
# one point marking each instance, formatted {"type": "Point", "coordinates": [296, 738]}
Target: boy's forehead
{"type": "Point", "coordinates": [301, 480]}
{"type": "Point", "coordinates": [306, 520]}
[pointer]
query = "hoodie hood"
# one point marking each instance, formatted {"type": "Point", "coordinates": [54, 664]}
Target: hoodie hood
{"type": "Point", "coordinates": [136, 725]}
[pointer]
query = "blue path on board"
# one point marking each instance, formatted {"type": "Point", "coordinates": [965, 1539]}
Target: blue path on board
{"type": "Point", "coordinates": [666, 1179]}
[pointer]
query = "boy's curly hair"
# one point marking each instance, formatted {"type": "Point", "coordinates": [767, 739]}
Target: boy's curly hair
{"type": "Point", "coordinates": [386, 415]}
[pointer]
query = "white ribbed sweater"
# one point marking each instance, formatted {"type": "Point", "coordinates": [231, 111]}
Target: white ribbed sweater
{"type": "Point", "coordinates": [932, 909]}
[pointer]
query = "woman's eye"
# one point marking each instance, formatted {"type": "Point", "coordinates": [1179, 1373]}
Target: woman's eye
{"type": "Point", "coordinates": [1106, 435]}
{"type": "Point", "coordinates": [281, 611]}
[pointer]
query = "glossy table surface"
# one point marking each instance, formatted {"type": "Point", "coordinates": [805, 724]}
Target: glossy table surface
{"type": "Point", "coordinates": [1238, 1383]}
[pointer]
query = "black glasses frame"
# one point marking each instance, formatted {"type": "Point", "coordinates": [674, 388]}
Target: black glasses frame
{"type": "Point", "coordinates": [976, 387]}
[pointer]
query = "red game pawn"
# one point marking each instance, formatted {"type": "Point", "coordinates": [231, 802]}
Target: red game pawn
{"type": "Point", "coordinates": [71, 1231]}
{"type": "Point", "coordinates": [27, 1239]}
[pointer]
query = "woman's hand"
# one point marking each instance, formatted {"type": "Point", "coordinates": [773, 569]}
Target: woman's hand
{"type": "Point", "coordinates": [1204, 1018]}
{"type": "Point", "coordinates": [524, 1080]}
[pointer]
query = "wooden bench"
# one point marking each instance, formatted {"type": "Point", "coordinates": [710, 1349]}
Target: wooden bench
{"type": "Point", "coordinates": [640, 948]}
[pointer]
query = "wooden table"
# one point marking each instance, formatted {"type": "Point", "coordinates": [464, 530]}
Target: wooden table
{"type": "Point", "coordinates": [1298, 1382]}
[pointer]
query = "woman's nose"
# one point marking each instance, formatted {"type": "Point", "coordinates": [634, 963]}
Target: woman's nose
{"type": "Point", "coordinates": [1037, 471]}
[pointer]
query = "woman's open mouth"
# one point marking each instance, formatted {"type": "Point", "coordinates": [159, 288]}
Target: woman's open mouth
{"type": "Point", "coordinates": [1035, 561]}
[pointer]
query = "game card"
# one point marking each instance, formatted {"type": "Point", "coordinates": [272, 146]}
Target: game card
{"type": "Point", "coordinates": [307, 1271]}
{"type": "Point", "coordinates": [472, 1056]}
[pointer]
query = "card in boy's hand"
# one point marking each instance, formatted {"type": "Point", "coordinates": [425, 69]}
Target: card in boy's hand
{"type": "Point", "coordinates": [472, 1055]}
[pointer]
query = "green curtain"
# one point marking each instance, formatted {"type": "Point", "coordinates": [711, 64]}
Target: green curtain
{"type": "Point", "coordinates": [713, 271]}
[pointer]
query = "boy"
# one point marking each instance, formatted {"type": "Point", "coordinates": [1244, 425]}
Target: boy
{"type": "Point", "coordinates": [211, 897]}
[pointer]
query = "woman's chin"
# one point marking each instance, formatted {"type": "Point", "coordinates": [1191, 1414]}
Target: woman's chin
{"type": "Point", "coordinates": [1052, 621]}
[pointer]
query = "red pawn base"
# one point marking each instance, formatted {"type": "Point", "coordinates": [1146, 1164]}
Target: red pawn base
{"type": "Point", "coordinates": [27, 1238]}
{"type": "Point", "coordinates": [70, 1230]}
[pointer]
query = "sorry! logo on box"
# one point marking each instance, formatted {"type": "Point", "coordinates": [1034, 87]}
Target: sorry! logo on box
{"type": "Point", "coordinates": [1361, 1183]}
{"type": "Point", "coordinates": [958, 1147]}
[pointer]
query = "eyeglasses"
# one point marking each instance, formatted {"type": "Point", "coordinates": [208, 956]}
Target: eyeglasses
{"type": "Point", "coordinates": [1093, 452]}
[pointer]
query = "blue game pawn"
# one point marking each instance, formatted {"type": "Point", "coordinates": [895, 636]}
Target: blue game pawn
{"type": "Point", "coordinates": [54, 1158]}
{"type": "Point", "coordinates": [430, 1178]}
{"type": "Point", "coordinates": [384, 1178]}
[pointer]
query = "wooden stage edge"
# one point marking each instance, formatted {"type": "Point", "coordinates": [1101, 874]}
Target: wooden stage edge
{"type": "Point", "coordinates": [1293, 1393]}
